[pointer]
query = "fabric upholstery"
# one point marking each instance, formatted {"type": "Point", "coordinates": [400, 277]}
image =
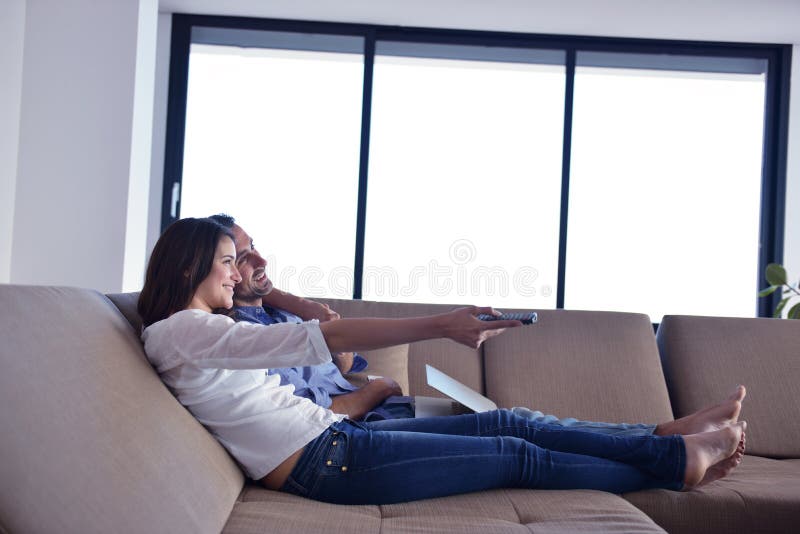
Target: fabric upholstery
{"type": "Point", "coordinates": [460, 362]}
{"type": "Point", "coordinates": [391, 362]}
{"type": "Point", "coordinates": [126, 303]}
{"type": "Point", "coordinates": [261, 511]}
{"type": "Point", "coordinates": [91, 440]}
{"type": "Point", "coordinates": [705, 357]}
{"type": "Point", "coordinates": [761, 495]}
{"type": "Point", "coordinates": [598, 366]}
{"type": "Point", "coordinates": [578, 511]}
{"type": "Point", "coordinates": [513, 511]}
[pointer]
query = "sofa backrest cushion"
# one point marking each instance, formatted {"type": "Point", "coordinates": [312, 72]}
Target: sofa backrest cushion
{"type": "Point", "coordinates": [460, 362]}
{"type": "Point", "coordinates": [706, 357]}
{"type": "Point", "coordinates": [596, 366]}
{"type": "Point", "coordinates": [391, 362]}
{"type": "Point", "coordinates": [127, 304]}
{"type": "Point", "coordinates": [91, 440]}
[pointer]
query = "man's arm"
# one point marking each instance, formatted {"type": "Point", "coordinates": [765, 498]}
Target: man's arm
{"type": "Point", "coordinates": [344, 361]}
{"type": "Point", "coordinates": [361, 401]}
{"type": "Point", "coordinates": [304, 308]}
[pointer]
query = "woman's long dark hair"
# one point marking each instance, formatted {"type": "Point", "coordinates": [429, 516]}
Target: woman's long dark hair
{"type": "Point", "coordinates": [180, 261]}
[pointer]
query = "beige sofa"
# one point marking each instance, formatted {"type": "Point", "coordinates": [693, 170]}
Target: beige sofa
{"type": "Point", "coordinates": [91, 441]}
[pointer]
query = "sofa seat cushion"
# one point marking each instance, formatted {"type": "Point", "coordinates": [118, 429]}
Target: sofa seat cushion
{"type": "Point", "coordinates": [512, 511]}
{"type": "Point", "coordinates": [761, 495]}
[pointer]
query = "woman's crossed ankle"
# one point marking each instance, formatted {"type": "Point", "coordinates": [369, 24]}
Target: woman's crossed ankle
{"type": "Point", "coordinates": [710, 418]}
{"type": "Point", "coordinates": [713, 455]}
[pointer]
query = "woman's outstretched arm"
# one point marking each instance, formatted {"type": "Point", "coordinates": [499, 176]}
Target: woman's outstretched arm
{"type": "Point", "coordinates": [460, 325]}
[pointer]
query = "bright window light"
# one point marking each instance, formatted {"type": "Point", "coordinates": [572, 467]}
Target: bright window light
{"type": "Point", "coordinates": [272, 138]}
{"type": "Point", "coordinates": [665, 192]}
{"type": "Point", "coordinates": [464, 182]}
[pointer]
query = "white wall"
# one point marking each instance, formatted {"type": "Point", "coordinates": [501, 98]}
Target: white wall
{"type": "Point", "coordinates": [731, 20]}
{"type": "Point", "coordinates": [159, 129]}
{"type": "Point", "coordinates": [12, 36]}
{"type": "Point", "coordinates": [79, 142]}
{"type": "Point", "coordinates": [136, 248]}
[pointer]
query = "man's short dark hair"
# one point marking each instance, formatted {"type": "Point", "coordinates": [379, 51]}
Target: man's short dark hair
{"type": "Point", "coordinates": [224, 219]}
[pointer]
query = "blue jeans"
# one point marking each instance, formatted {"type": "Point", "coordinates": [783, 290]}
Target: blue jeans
{"type": "Point", "coordinates": [617, 429]}
{"type": "Point", "coordinates": [400, 460]}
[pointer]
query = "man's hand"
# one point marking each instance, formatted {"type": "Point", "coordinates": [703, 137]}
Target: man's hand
{"type": "Point", "coordinates": [359, 402]}
{"type": "Point", "coordinates": [344, 361]}
{"type": "Point", "coordinates": [303, 308]}
{"type": "Point", "coordinates": [392, 387]}
{"type": "Point", "coordinates": [316, 310]}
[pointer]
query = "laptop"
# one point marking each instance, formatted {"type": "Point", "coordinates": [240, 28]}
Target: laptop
{"type": "Point", "coordinates": [462, 399]}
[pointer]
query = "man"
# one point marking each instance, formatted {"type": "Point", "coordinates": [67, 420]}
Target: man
{"type": "Point", "coordinates": [256, 300]}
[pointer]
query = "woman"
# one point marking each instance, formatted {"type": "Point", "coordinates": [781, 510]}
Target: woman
{"type": "Point", "coordinates": [215, 367]}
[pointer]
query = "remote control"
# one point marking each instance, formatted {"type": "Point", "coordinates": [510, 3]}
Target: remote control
{"type": "Point", "coordinates": [524, 317]}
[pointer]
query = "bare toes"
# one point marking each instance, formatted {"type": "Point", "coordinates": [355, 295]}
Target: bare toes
{"type": "Point", "coordinates": [738, 394]}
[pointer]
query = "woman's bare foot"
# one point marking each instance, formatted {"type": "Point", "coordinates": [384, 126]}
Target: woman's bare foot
{"type": "Point", "coordinates": [708, 419]}
{"type": "Point", "coordinates": [738, 393]}
{"type": "Point", "coordinates": [726, 466]}
{"type": "Point", "coordinates": [721, 469]}
{"type": "Point", "coordinates": [705, 450]}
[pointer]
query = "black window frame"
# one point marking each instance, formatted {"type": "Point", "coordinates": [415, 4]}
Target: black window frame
{"type": "Point", "coordinates": [776, 112]}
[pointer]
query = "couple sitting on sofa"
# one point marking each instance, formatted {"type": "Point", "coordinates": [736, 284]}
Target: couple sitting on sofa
{"type": "Point", "coordinates": [215, 367]}
{"type": "Point", "coordinates": [257, 301]}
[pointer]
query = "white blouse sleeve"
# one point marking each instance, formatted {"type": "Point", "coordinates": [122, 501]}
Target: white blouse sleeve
{"type": "Point", "coordinates": [216, 341]}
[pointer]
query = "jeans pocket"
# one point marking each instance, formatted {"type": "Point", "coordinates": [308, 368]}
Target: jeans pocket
{"type": "Point", "coordinates": [337, 454]}
{"type": "Point", "coordinates": [332, 462]}
{"type": "Point", "coordinates": [323, 456]}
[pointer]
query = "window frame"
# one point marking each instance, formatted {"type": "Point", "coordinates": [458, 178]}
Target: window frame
{"type": "Point", "coordinates": [776, 121]}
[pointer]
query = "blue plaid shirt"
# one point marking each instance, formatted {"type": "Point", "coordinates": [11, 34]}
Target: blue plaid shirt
{"type": "Point", "coordinates": [317, 383]}
{"type": "Point", "coordinates": [322, 382]}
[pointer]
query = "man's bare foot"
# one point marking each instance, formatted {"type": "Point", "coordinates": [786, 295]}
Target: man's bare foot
{"type": "Point", "coordinates": [708, 419]}
{"type": "Point", "coordinates": [707, 449]}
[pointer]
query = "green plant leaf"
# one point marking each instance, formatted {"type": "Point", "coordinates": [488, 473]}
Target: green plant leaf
{"type": "Point", "coordinates": [779, 307]}
{"type": "Point", "coordinates": [794, 313]}
{"type": "Point", "coordinates": [768, 291]}
{"type": "Point", "coordinates": [776, 274]}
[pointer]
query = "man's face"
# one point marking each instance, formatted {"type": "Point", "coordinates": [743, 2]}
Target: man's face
{"type": "Point", "coordinates": [255, 282]}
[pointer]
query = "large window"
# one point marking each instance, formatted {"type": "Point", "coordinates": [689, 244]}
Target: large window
{"type": "Point", "coordinates": [665, 185]}
{"type": "Point", "coordinates": [272, 137]}
{"type": "Point", "coordinates": [464, 175]}
{"type": "Point", "coordinates": [468, 167]}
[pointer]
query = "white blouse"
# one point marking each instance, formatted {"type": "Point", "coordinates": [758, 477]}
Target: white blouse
{"type": "Point", "coordinates": [216, 369]}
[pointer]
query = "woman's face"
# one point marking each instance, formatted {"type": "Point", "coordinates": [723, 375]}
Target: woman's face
{"type": "Point", "coordinates": [216, 290]}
